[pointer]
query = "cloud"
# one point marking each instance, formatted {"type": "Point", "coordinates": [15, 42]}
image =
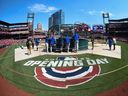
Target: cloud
{"type": "Point", "coordinates": [41, 8]}
{"type": "Point", "coordinates": [92, 12]}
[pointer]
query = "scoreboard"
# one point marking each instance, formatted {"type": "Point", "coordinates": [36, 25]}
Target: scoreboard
{"type": "Point", "coordinates": [98, 28]}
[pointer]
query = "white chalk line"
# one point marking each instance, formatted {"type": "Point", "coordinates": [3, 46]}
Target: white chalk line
{"type": "Point", "coordinates": [113, 70]}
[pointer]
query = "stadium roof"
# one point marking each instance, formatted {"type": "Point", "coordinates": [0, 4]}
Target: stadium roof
{"type": "Point", "coordinates": [119, 20]}
{"type": "Point", "coordinates": [4, 23]}
{"type": "Point", "coordinates": [18, 24]}
{"type": "Point", "coordinates": [11, 24]}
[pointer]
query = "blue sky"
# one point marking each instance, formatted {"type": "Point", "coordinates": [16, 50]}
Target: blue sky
{"type": "Point", "coordinates": [87, 11]}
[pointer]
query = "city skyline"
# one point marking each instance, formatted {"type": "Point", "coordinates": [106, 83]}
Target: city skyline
{"type": "Point", "coordinates": [87, 11]}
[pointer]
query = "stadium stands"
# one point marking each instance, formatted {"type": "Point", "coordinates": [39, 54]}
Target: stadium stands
{"type": "Point", "coordinates": [7, 42]}
{"type": "Point", "coordinates": [118, 28]}
{"type": "Point", "coordinates": [14, 30]}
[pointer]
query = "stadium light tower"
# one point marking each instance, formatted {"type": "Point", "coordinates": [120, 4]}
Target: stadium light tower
{"type": "Point", "coordinates": [30, 20]}
{"type": "Point", "coordinates": [106, 18]}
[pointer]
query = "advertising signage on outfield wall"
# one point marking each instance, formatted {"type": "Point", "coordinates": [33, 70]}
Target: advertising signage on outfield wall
{"type": "Point", "coordinates": [98, 28]}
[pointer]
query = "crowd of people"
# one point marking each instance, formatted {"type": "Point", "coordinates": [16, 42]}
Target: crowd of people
{"type": "Point", "coordinates": [111, 41]}
{"type": "Point", "coordinates": [64, 43]}
{"type": "Point", "coordinates": [52, 44]}
{"type": "Point", "coordinates": [30, 43]}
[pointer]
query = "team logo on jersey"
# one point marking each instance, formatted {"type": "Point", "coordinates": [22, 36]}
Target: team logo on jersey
{"type": "Point", "coordinates": [63, 77]}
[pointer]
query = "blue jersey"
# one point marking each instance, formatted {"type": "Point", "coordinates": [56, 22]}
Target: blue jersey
{"type": "Point", "coordinates": [76, 37]}
{"type": "Point", "coordinates": [67, 39]}
{"type": "Point", "coordinates": [110, 41]}
{"type": "Point", "coordinates": [52, 41]}
{"type": "Point", "coordinates": [46, 40]}
{"type": "Point", "coordinates": [37, 41]}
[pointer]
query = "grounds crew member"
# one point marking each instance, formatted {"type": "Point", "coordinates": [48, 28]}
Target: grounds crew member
{"type": "Point", "coordinates": [92, 41]}
{"type": "Point", "coordinates": [32, 43]}
{"type": "Point", "coordinates": [37, 41]}
{"type": "Point", "coordinates": [61, 43]}
{"type": "Point", "coordinates": [76, 39]}
{"type": "Point", "coordinates": [114, 43]}
{"type": "Point", "coordinates": [109, 41]}
{"type": "Point", "coordinates": [28, 44]}
{"type": "Point", "coordinates": [46, 43]}
{"type": "Point", "coordinates": [52, 44]}
{"type": "Point", "coordinates": [67, 39]}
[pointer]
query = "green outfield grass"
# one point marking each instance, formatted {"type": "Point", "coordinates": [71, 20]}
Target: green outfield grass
{"type": "Point", "coordinates": [23, 77]}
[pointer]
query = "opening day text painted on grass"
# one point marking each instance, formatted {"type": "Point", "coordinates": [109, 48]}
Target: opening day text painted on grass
{"type": "Point", "coordinates": [66, 71]}
{"type": "Point", "coordinates": [67, 62]}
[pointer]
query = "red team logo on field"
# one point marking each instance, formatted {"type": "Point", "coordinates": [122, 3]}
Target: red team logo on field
{"type": "Point", "coordinates": [63, 77]}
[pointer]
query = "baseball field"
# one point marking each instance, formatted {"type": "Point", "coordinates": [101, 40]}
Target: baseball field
{"type": "Point", "coordinates": [33, 75]}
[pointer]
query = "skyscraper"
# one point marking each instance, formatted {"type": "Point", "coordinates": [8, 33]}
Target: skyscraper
{"type": "Point", "coordinates": [56, 18]}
